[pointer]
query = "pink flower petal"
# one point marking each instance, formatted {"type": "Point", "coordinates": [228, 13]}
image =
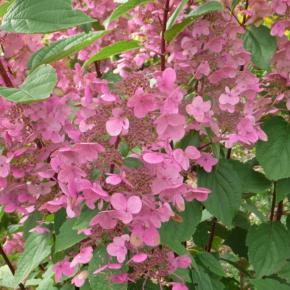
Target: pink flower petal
{"type": "Point", "coordinates": [134, 204]}
{"type": "Point", "coordinates": [153, 158]}
{"type": "Point", "coordinates": [139, 258]}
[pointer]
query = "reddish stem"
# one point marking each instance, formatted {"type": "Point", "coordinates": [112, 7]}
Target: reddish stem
{"type": "Point", "coordinates": [163, 41]}
{"type": "Point", "coordinates": [5, 76]}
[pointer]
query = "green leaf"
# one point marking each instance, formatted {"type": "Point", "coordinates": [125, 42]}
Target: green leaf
{"type": "Point", "coordinates": [269, 284]}
{"type": "Point", "coordinates": [114, 49]}
{"type": "Point", "coordinates": [282, 189]}
{"type": "Point", "coordinates": [67, 236]}
{"type": "Point", "coordinates": [225, 198]}
{"type": "Point", "coordinates": [201, 279]}
{"type": "Point", "coordinates": [36, 249]}
{"type": "Point", "coordinates": [237, 241]}
{"type": "Point", "coordinates": [274, 155]}
{"type": "Point", "coordinates": [42, 16]}
{"type": "Point", "coordinates": [171, 21]}
{"type": "Point", "coordinates": [37, 86]}
{"type": "Point", "coordinates": [123, 148]}
{"type": "Point", "coordinates": [203, 9]}
{"type": "Point", "coordinates": [83, 221]}
{"type": "Point", "coordinates": [211, 263]}
{"type": "Point", "coordinates": [234, 4]}
{"type": "Point", "coordinates": [123, 9]}
{"type": "Point", "coordinates": [68, 287]}
{"type": "Point", "coordinates": [268, 247]}
{"type": "Point", "coordinates": [132, 162]}
{"type": "Point", "coordinates": [261, 44]}
{"type": "Point", "coordinates": [190, 139]}
{"type": "Point", "coordinates": [102, 279]}
{"type": "Point", "coordinates": [5, 6]}
{"type": "Point", "coordinates": [7, 280]}
{"type": "Point", "coordinates": [30, 223]}
{"type": "Point", "coordinates": [285, 272]}
{"type": "Point", "coordinates": [183, 230]}
{"type": "Point", "coordinates": [63, 48]}
{"type": "Point", "coordinates": [148, 285]}
{"type": "Point", "coordinates": [252, 181]}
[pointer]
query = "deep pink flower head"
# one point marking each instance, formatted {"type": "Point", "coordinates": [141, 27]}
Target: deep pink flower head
{"type": "Point", "coordinates": [62, 268]}
{"type": "Point", "coordinates": [142, 102]}
{"type": "Point", "coordinates": [198, 109]}
{"type": "Point", "coordinates": [118, 248]}
{"type": "Point", "coordinates": [117, 124]}
{"type": "Point", "coordinates": [126, 208]}
{"type": "Point", "coordinates": [83, 257]}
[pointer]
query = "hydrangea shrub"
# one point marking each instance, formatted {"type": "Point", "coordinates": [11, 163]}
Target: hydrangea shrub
{"type": "Point", "coordinates": [144, 145]}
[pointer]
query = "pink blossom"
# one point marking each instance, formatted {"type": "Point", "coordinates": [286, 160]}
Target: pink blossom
{"type": "Point", "coordinates": [198, 109]}
{"type": "Point", "coordinates": [153, 157]}
{"type": "Point", "coordinates": [117, 124]}
{"type": "Point", "coordinates": [142, 102]}
{"type": "Point", "coordinates": [139, 258]}
{"type": "Point", "coordinates": [166, 82]}
{"type": "Point", "coordinates": [118, 248]}
{"type": "Point", "coordinates": [4, 166]}
{"type": "Point", "coordinates": [62, 268]}
{"type": "Point", "coordinates": [80, 279]}
{"type": "Point", "coordinates": [178, 286]}
{"type": "Point", "coordinates": [126, 208]}
{"type": "Point", "coordinates": [229, 100]}
{"type": "Point", "coordinates": [207, 161]}
{"type": "Point", "coordinates": [83, 257]}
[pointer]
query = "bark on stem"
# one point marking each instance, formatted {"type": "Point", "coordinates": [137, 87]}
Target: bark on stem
{"type": "Point", "coordinates": [5, 76]}
{"type": "Point", "coordinates": [163, 41]}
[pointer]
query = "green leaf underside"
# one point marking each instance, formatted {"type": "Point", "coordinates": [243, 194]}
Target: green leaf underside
{"type": "Point", "coordinates": [225, 184]}
{"type": "Point", "coordinates": [269, 284]}
{"type": "Point", "coordinates": [36, 249]}
{"type": "Point", "coordinates": [274, 154]}
{"type": "Point", "coordinates": [112, 50]}
{"type": "Point", "coordinates": [261, 44]}
{"type": "Point", "coordinates": [63, 48]}
{"type": "Point", "coordinates": [123, 9]}
{"type": "Point", "coordinates": [268, 247]}
{"type": "Point", "coordinates": [42, 16]}
{"type": "Point", "coordinates": [37, 86]}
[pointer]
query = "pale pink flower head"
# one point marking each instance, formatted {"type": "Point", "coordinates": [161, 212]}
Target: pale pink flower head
{"type": "Point", "coordinates": [62, 268]}
{"type": "Point", "coordinates": [142, 102]}
{"type": "Point", "coordinates": [166, 83]}
{"type": "Point", "coordinates": [118, 248]}
{"type": "Point", "coordinates": [199, 109]}
{"type": "Point", "coordinates": [4, 166]}
{"type": "Point", "coordinates": [80, 279]}
{"type": "Point", "coordinates": [83, 257]}
{"type": "Point", "coordinates": [228, 100]}
{"type": "Point", "coordinates": [207, 161]}
{"type": "Point", "coordinates": [126, 208]}
{"type": "Point", "coordinates": [117, 124]}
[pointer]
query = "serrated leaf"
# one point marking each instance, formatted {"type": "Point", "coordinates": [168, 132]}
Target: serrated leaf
{"type": "Point", "coordinates": [132, 162]}
{"type": "Point", "coordinates": [201, 279]}
{"type": "Point", "coordinates": [36, 249]}
{"type": "Point", "coordinates": [63, 48]}
{"type": "Point", "coordinates": [30, 223]}
{"type": "Point", "coordinates": [183, 229]}
{"type": "Point", "coordinates": [261, 44]}
{"type": "Point", "coordinates": [269, 247]}
{"type": "Point", "coordinates": [67, 236]}
{"type": "Point", "coordinates": [252, 181]}
{"type": "Point", "coordinates": [203, 9]}
{"type": "Point", "coordinates": [42, 16]}
{"type": "Point", "coordinates": [274, 154]}
{"type": "Point", "coordinates": [113, 49]}
{"type": "Point", "coordinates": [269, 284]}
{"type": "Point", "coordinates": [225, 184]}
{"type": "Point", "coordinates": [211, 263]}
{"type": "Point", "coordinates": [102, 279]}
{"type": "Point", "coordinates": [37, 86]}
{"type": "Point", "coordinates": [123, 9]}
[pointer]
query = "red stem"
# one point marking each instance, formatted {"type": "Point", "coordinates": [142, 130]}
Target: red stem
{"type": "Point", "coordinates": [163, 41]}
{"type": "Point", "coordinates": [5, 76]}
